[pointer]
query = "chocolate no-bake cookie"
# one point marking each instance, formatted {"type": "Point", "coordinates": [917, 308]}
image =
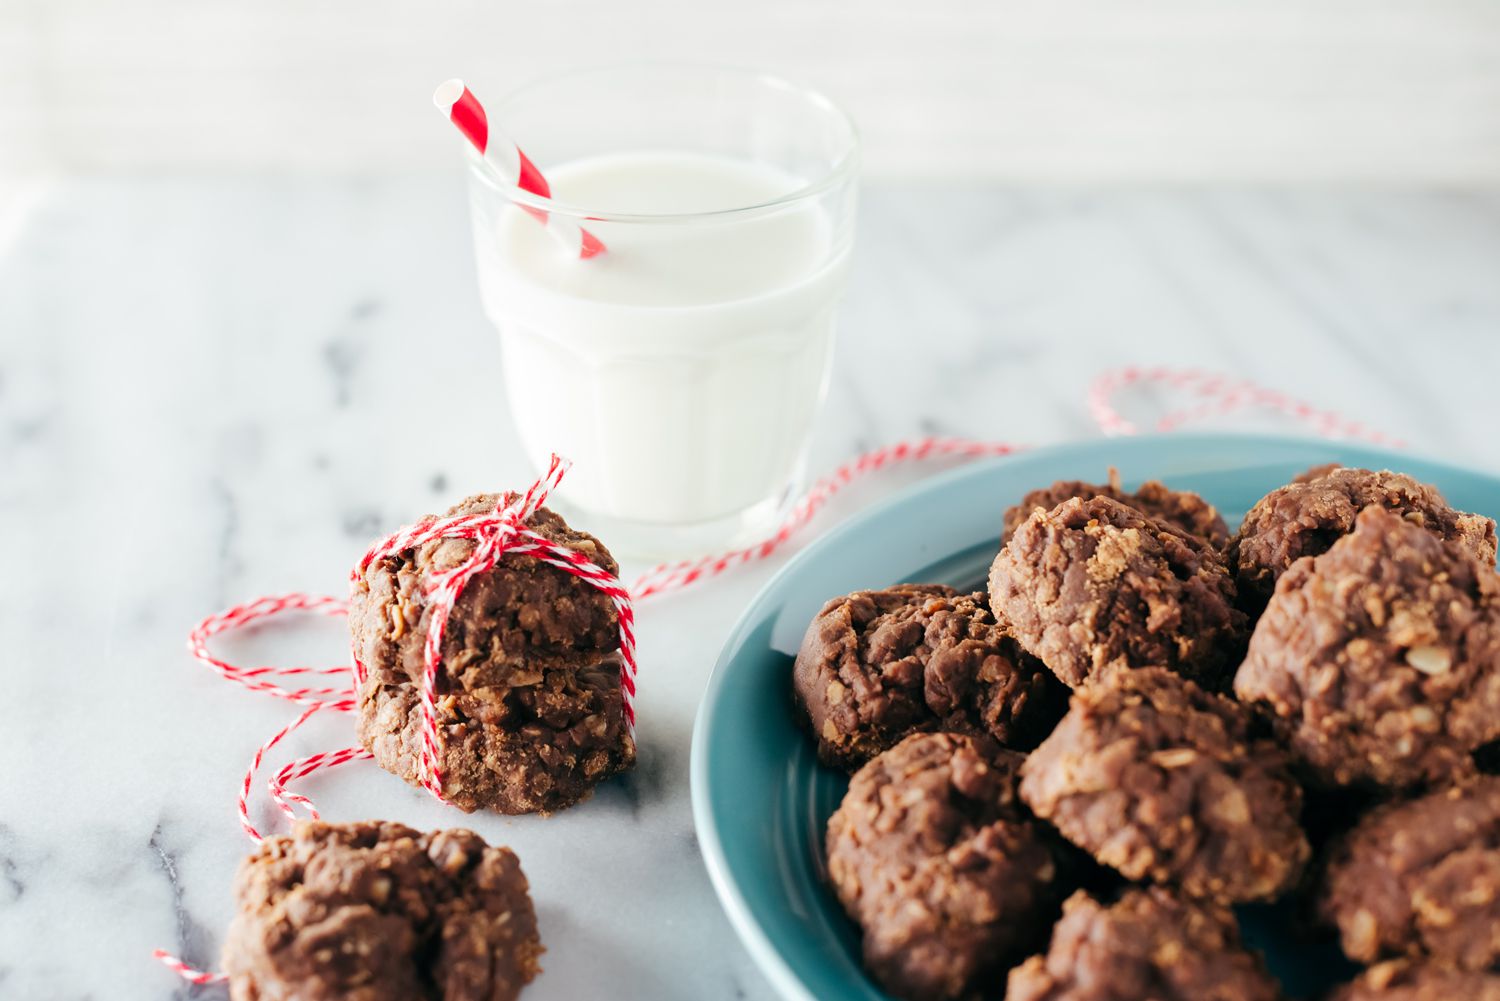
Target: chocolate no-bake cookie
{"type": "Point", "coordinates": [374, 911]}
{"type": "Point", "coordinates": [1182, 508]}
{"type": "Point", "coordinates": [1398, 980]}
{"type": "Point", "coordinates": [520, 616]}
{"type": "Point", "coordinates": [1149, 945]}
{"type": "Point", "coordinates": [878, 665]}
{"type": "Point", "coordinates": [1379, 661]}
{"type": "Point", "coordinates": [1163, 781]}
{"type": "Point", "coordinates": [934, 857]}
{"type": "Point", "coordinates": [1093, 582]}
{"type": "Point", "coordinates": [535, 747]}
{"type": "Point", "coordinates": [1421, 878]}
{"type": "Point", "coordinates": [528, 697]}
{"type": "Point", "coordinates": [1306, 517]}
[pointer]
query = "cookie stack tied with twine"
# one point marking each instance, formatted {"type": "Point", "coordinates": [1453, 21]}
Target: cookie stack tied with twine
{"type": "Point", "coordinates": [488, 668]}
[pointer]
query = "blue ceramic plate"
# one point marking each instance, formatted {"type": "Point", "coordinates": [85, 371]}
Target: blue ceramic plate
{"type": "Point", "coordinates": [760, 799]}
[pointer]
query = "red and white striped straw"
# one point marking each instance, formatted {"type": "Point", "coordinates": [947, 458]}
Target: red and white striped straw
{"type": "Point", "coordinates": [511, 166]}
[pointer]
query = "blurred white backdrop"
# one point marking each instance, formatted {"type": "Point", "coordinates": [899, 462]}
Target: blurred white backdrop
{"type": "Point", "coordinates": [1388, 91]}
{"type": "Point", "coordinates": [236, 278]}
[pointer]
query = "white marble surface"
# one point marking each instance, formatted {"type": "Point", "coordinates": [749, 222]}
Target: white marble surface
{"type": "Point", "coordinates": [207, 390]}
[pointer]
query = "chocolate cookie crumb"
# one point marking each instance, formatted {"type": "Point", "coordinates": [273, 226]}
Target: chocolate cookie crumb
{"type": "Point", "coordinates": [1149, 945]}
{"type": "Point", "coordinates": [529, 708]}
{"type": "Point", "coordinates": [1379, 661]}
{"type": "Point", "coordinates": [376, 911]}
{"type": "Point", "coordinates": [877, 665]}
{"type": "Point", "coordinates": [1092, 583]}
{"type": "Point", "coordinates": [1402, 981]}
{"type": "Point", "coordinates": [934, 857]}
{"type": "Point", "coordinates": [1155, 499]}
{"type": "Point", "coordinates": [1421, 878]}
{"type": "Point", "coordinates": [1163, 782]}
{"type": "Point", "coordinates": [1306, 517]}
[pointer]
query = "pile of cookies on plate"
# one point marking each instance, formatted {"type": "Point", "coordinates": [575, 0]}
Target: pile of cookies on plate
{"type": "Point", "coordinates": [1062, 785]}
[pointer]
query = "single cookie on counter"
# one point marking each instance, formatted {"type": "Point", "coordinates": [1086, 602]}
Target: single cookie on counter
{"type": "Point", "coordinates": [1379, 661]}
{"type": "Point", "coordinates": [529, 707]}
{"type": "Point", "coordinates": [1163, 782]}
{"type": "Point", "coordinates": [1398, 980]}
{"type": "Point", "coordinates": [376, 911]}
{"type": "Point", "coordinates": [875, 666]}
{"type": "Point", "coordinates": [1182, 508]}
{"type": "Point", "coordinates": [1421, 878]}
{"type": "Point", "coordinates": [1150, 944]}
{"type": "Point", "coordinates": [932, 854]}
{"type": "Point", "coordinates": [1305, 518]}
{"type": "Point", "coordinates": [1092, 583]}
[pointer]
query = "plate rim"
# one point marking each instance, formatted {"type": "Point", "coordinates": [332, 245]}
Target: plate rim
{"type": "Point", "coordinates": [757, 943]}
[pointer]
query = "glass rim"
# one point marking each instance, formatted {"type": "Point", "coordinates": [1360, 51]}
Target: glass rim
{"type": "Point", "coordinates": [842, 168]}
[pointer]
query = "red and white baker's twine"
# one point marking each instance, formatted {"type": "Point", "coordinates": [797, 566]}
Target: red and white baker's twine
{"type": "Point", "coordinates": [1218, 394]}
{"type": "Point", "coordinates": [504, 530]}
{"type": "Point", "coordinates": [511, 167]}
{"type": "Point", "coordinates": [675, 576]}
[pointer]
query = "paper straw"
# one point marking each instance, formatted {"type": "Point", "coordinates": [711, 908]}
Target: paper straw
{"type": "Point", "coordinates": [510, 166]}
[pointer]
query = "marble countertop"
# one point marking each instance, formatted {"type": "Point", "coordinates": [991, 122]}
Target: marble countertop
{"type": "Point", "coordinates": [209, 390]}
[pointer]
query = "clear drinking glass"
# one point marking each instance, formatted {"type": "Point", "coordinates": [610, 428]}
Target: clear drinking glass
{"type": "Point", "coordinates": [682, 368]}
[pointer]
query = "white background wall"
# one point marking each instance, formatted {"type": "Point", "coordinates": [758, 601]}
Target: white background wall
{"type": "Point", "coordinates": [1294, 90]}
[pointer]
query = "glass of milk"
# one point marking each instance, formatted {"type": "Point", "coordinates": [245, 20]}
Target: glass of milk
{"type": "Point", "coordinates": [682, 368]}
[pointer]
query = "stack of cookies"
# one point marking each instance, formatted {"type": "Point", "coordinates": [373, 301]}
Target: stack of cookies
{"type": "Point", "coordinates": [529, 708]}
{"type": "Point", "coordinates": [1062, 786]}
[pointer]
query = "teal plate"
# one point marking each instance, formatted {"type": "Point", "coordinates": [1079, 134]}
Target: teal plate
{"type": "Point", "coordinates": [760, 799]}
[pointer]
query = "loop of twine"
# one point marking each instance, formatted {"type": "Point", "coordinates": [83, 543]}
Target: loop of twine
{"type": "Point", "coordinates": [504, 530]}
{"type": "Point", "coordinates": [1219, 395]}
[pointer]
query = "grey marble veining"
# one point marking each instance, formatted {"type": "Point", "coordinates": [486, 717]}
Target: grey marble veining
{"type": "Point", "coordinates": [216, 388]}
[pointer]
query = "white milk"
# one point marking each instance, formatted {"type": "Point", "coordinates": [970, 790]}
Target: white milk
{"type": "Point", "coordinates": [681, 369]}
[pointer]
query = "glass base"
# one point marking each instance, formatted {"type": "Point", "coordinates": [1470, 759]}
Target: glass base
{"type": "Point", "coordinates": [659, 541]}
